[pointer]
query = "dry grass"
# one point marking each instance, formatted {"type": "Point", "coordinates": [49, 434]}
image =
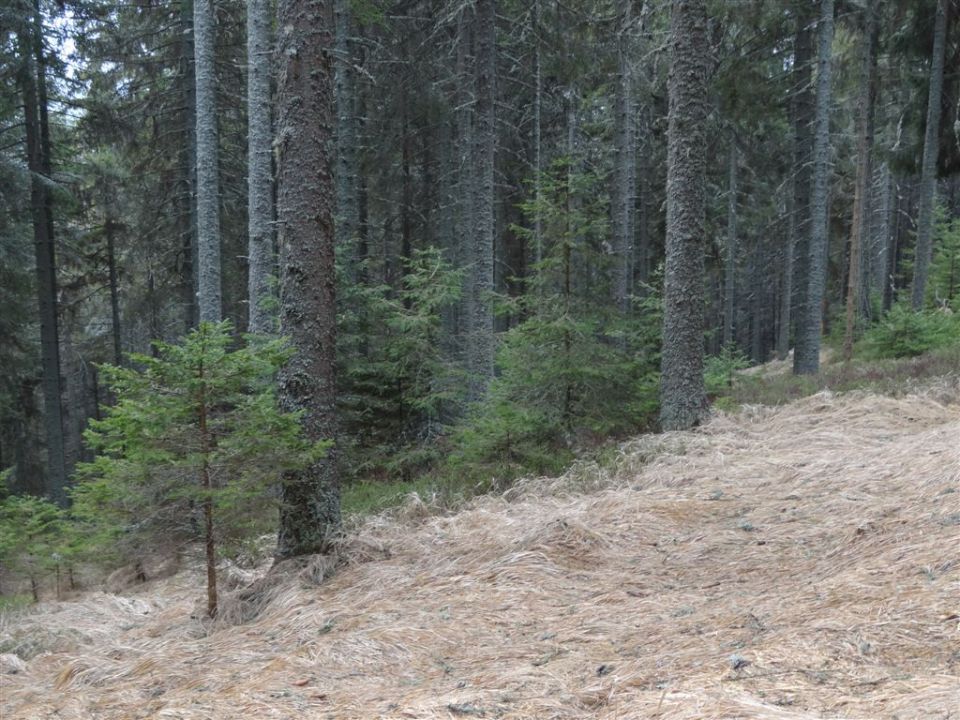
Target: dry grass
{"type": "Point", "coordinates": [793, 562]}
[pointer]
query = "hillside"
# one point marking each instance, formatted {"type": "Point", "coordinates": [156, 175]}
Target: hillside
{"type": "Point", "coordinates": [793, 562]}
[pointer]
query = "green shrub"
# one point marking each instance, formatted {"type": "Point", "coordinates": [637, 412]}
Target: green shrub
{"type": "Point", "coordinates": [905, 333]}
{"type": "Point", "coordinates": [720, 370]}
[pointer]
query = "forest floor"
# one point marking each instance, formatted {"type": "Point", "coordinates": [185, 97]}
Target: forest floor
{"type": "Point", "coordinates": [793, 562]}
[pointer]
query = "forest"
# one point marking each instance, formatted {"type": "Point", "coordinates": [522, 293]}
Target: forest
{"type": "Point", "coordinates": [479, 358]}
{"type": "Point", "coordinates": [267, 266]}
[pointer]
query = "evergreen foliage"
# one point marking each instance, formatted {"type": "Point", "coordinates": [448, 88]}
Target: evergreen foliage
{"type": "Point", "coordinates": [398, 384]}
{"type": "Point", "coordinates": [903, 332]}
{"type": "Point", "coordinates": [573, 369]}
{"type": "Point", "coordinates": [192, 448]}
{"type": "Point", "coordinates": [31, 531]}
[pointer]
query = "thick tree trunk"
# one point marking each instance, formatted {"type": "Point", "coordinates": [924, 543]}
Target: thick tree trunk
{"type": "Point", "coordinates": [864, 175]}
{"type": "Point", "coordinates": [806, 359]}
{"type": "Point", "coordinates": [260, 174]}
{"type": "Point", "coordinates": [928, 173]}
{"type": "Point", "coordinates": [622, 204]}
{"type": "Point", "coordinates": [310, 509]}
{"type": "Point", "coordinates": [36, 130]}
{"type": "Point", "coordinates": [683, 399]}
{"type": "Point", "coordinates": [730, 266]}
{"type": "Point", "coordinates": [208, 182]}
{"type": "Point", "coordinates": [480, 351]}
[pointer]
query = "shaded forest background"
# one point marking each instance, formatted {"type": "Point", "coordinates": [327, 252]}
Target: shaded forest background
{"type": "Point", "coordinates": [499, 204]}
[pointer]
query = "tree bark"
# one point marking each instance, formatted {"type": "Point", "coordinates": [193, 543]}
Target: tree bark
{"type": "Point", "coordinates": [208, 182]}
{"type": "Point", "coordinates": [730, 269]}
{"type": "Point", "coordinates": [928, 172]}
{"type": "Point", "coordinates": [864, 175]}
{"type": "Point", "coordinates": [36, 130]}
{"type": "Point", "coordinates": [187, 197]}
{"type": "Point", "coordinates": [481, 338]}
{"type": "Point", "coordinates": [683, 399]}
{"type": "Point", "coordinates": [802, 111]}
{"type": "Point", "coordinates": [347, 216]}
{"type": "Point", "coordinates": [623, 195]}
{"type": "Point", "coordinates": [260, 173]}
{"type": "Point", "coordinates": [806, 359]}
{"type": "Point", "coordinates": [310, 508]}
{"type": "Point", "coordinates": [537, 138]}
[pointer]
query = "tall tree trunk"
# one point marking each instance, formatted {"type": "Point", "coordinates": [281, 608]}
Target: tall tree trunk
{"type": "Point", "coordinates": [928, 173]}
{"type": "Point", "coordinates": [260, 174]}
{"type": "Point", "coordinates": [481, 340]}
{"type": "Point", "coordinates": [806, 359]}
{"type": "Point", "coordinates": [864, 175]}
{"type": "Point", "coordinates": [466, 183]}
{"type": "Point", "coordinates": [310, 509]}
{"type": "Point", "coordinates": [109, 231]}
{"type": "Point", "coordinates": [187, 196]}
{"type": "Point", "coordinates": [802, 110]}
{"type": "Point", "coordinates": [786, 284]}
{"type": "Point", "coordinates": [730, 269]}
{"type": "Point", "coordinates": [208, 182]}
{"type": "Point", "coordinates": [537, 139]}
{"type": "Point", "coordinates": [622, 205]}
{"type": "Point", "coordinates": [36, 130]}
{"type": "Point", "coordinates": [345, 174]}
{"type": "Point", "coordinates": [682, 394]}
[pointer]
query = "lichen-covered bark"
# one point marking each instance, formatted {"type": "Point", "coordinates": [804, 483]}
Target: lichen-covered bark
{"type": "Point", "coordinates": [208, 182]}
{"type": "Point", "coordinates": [259, 171]}
{"type": "Point", "coordinates": [928, 171]}
{"type": "Point", "coordinates": [310, 510]}
{"type": "Point", "coordinates": [683, 399]}
{"type": "Point", "coordinates": [806, 359]}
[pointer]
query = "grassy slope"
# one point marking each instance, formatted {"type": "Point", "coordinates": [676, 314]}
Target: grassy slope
{"type": "Point", "coordinates": [791, 562]}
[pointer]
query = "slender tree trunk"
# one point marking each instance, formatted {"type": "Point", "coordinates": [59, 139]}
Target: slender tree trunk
{"type": "Point", "coordinates": [310, 509]}
{"type": "Point", "coordinates": [481, 331]}
{"type": "Point", "coordinates": [36, 130]}
{"type": "Point", "coordinates": [109, 229]}
{"type": "Point", "coordinates": [806, 359]}
{"type": "Point", "coordinates": [928, 173]}
{"type": "Point", "coordinates": [260, 173]}
{"type": "Point", "coordinates": [622, 205]}
{"type": "Point", "coordinates": [803, 111]}
{"type": "Point", "coordinates": [730, 268]}
{"type": "Point", "coordinates": [786, 284]}
{"type": "Point", "coordinates": [346, 166]}
{"type": "Point", "coordinates": [466, 184]}
{"type": "Point", "coordinates": [210, 546]}
{"type": "Point", "coordinates": [682, 395]}
{"type": "Point", "coordinates": [208, 182]}
{"type": "Point", "coordinates": [864, 175]}
{"type": "Point", "coordinates": [187, 197]}
{"type": "Point", "coordinates": [537, 137]}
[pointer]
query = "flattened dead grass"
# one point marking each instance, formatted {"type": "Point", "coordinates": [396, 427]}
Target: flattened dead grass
{"type": "Point", "coordinates": [793, 562]}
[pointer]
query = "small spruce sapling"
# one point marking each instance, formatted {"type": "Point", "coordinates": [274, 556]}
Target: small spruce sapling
{"type": "Point", "coordinates": [191, 449]}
